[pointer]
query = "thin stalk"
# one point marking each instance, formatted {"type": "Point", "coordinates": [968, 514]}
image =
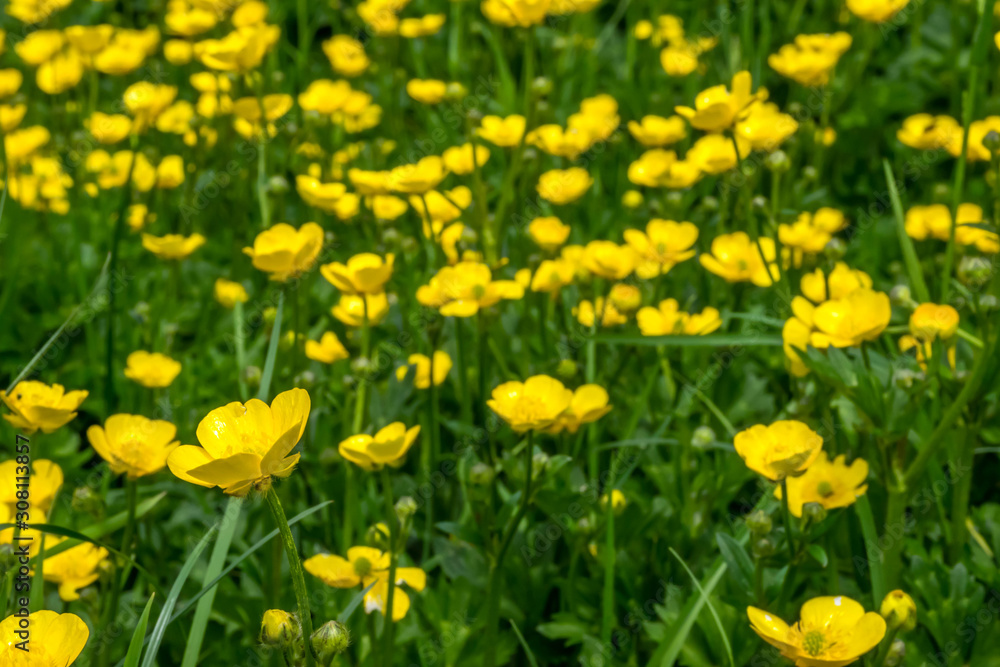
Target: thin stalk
{"type": "Point", "coordinates": [960, 495]}
{"type": "Point", "coordinates": [240, 346]}
{"type": "Point", "coordinates": [463, 371]}
{"type": "Point", "coordinates": [608, 598]}
{"type": "Point", "coordinates": [361, 399]}
{"type": "Point", "coordinates": [391, 520]}
{"type": "Point", "coordinates": [786, 519]}
{"type": "Point", "coordinates": [295, 568]}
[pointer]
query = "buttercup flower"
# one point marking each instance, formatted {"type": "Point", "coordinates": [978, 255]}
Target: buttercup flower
{"type": "Point", "coordinates": [785, 448]}
{"type": "Point", "coordinates": [36, 405]}
{"type": "Point", "coordinates": [625, 298]}
{"type": "Point", "coordinates": [842, 281]}
{"type": "Point", "coordinates": [832, 484]}
{"type": "Point", "coordinates": [284, 252]}
{"type": "Point", "coordinates": [564, 186]}
{"type": "Point", "coordinates": [930, 321]}
{"type": "Point", "coordinates": [718, 108]}
{"type": "Point", "coordinates": [589, 403]}
{"type": "Point", "coordinates": [534, 404]}
{"type": "Point", "coordinates": [832, 632]}
{"type": "Point", "coordinates": [609, 260]}
{"type": "Point", "coordinates": [656, 131]}
{"type": "Point", "coordinates": [243, 446]}
{"type": "Point", "coordinates": [899, 611]}
{"type": "Point", "coordinates": [418, 178]}
{"type": "Point", "coordinates": [279, 628]}
{"type": "Point", "coordinates": [347, 55]}
{"type": "Point", "coordinates": [463, 289]}
{"type": "Point", "coordinates": [460, 159]}
{"type": "Point", "coordinates": [73, 569]}
{"type": "Point", "coordinates": [811, 58]}
{"type": "Point", "coordinates": [228, 293]}
{"type": "Point", "coordinates": [860, 316]}
{"type": "Point", "coordinates": [426, 91]}
{"type": "Point", "coordinates": [172, 246]}
{"type": "Point", "coordinates": [420, 366]}
{"type": "Point", "coordinates": [364, 566]}
{"type": "Point", "coordinates": [664, 245]}
{"type": "Point", "coordinates": [387, 447]}
{"type": "Point", "coordinates": [46, 480]}
{"type": "Point", "coordinates": [364, 273]}
{"type": "Point", "coordinates": [151, 369]}
{"type": "Point", "coordinates": [876, 11]}
{"type": "Point", "coordinates": [587, 312]}
{"type": "Point", "coordinates": [328, 350]}
{"type": "Point", "coordinates": [108, 128]}
{"type": "Point", "coordinates": [738, 259]}
{"type": "Point", "coordinates": [503, 132]}
{"type": "Point", "coordinates": [928, 132]}
{"type": "Point", "coordinates": [548, 232]}
{"type": "Point", "coordinates": [667, 319]}
{"type": "Point", "coordinates": [63, 637]}
{"type": "Point", "coordinates": [511, 13]}
{"type": "Point", "coordinates": [133, 444]}
{"type": "Point", "coordinates": [352, 309]}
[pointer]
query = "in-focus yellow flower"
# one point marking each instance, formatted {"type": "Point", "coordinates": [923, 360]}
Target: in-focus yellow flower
{"type": "Point", "coordinates": [589, 403]}
{"type": "Point", "coordinates": [899, 611]}
{"type": "Point", "coordinates": [810, 58]}
{"type": "Point", "coordinates": [327, 350]}
{"type": "Point", "coordinates": [832, 484]}
{"type": "Point", "coordinates": [534, 404]}
{"type": "Point", "coordinates": [426, 91]}
{"type": "Point", "coordinates": [36, 405]}
{"type": "Point", "coordinates": [279, 628]}
{"type": "Point", "coordinates": [463, 289]}
{"type": "Point", "coordinates": [172, 246]}
{"type": "Point", "coordinates": [133, 444]}
{"type": "Point", "coordinates": [284, 252]}
{"type": "Point", "coordinates": [657, 131]}
{"type": "Point", "coordinates": [667, 320]}
{"type": "Point", "coordinates": [387, 447]}
{"type": "Point", "coordinates": [228, 293]}
{"type": "Point", "coordinates": [929, 321]}
{"type": "Point", "coordinates": [420, 364]}
{"type": "Point", "coordinates": [460, 159]}
{"type": "Point", "coordinates": [564, 186]}
{"type": "Point", "coordinates": [365, 566]}
{"type": "Point", "coordinates": [664, 245]}
{"type": "Point", "coordinates": [364, 273]}
{"type": "Point", "coordinates": [243, 446]}
{"type": "Point", "coordinates": [842, 281]}
{"type": "Point", "coordinates": [503, 132]}
{"type": "Point", "coordinates": [833, 631]}
{"type": "Point", "coordinates": [876, 11]}
{"type": "Point", "coordinates": [587, 312]}
{"type": "Point", "coordinates": [108, 128]}
{"type": "Point", "coordinates": [928, 132]}
{"type": "Point", "coordinates": [46, 480]}
{"type": "Point", "coordinates": [516, 13]}
{"type": "Point", "coordinates": [352, 309]}
{"type": "Point", "coordinates": [346, 54]}
{"type": "Point", "coordinates": [548, 232]}
{"type": "Point", "coordinates": [73, 569]}
{"type": "Point", "coordinates": [609, 260]}
{"type": "Point", "coordinates": [860, 316]}
{"type": "Point", "coordinates": [738, 259]}
{"type": "Point", "coordinates": [151, 369]}
{"type": "Point", "coordinates": [783, 449]}
{"type": "Point", "coordinates": [63, 636]}
{"type": "Point", "coordinates": [718, 108]}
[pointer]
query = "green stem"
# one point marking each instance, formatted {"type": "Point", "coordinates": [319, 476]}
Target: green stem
{"type": "Point", "coordinates": [786, 519]}
{"type": "Point", "coordinates": [391, 520]}
{"type": "Point", "coordinates": [240, 345]}
{"type": "Point", "coordinates": [463, 371]}
{"type": "Point", "coordinates": [965, 445]}
{"type": "Point", "coordinates": [295, 568]}
{"type": "Point", "coordinates": [608, 599]}
{"type": "Point", "coordinates": [886, 646]}
{"type": "Point", "coordinates": [361, 399]}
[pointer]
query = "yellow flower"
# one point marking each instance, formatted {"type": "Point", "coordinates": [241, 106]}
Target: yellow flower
{"type": "Point", "coordinates": [977, 133]}
{"type": "Point", "coordinates": [656, 131]}
{"type": "Point", "coordinates": [11, 116]}
{"type": "Point", "coordinates": [243, 446]}
{"type": "Point", "coordinates": [423, 26]}
{"type": "Point", "coordinates": [421, 366]}
{"type": "Point", "coordinates": [323, 196]}
{"type": "Point", "coordinates": [22, 144]}
{"type": "Point", "coordinates": [353, 308]}
{"type": "Point", "coordinates": [664, 245]}
{"type": "Point", "coordinates": [346, 55]}
{"type": "Point", "coordinates": [718, 108]}
{"type": "Point", "coordinates": [609, 260]}
{"type": "Point", "coordinates": [460, 160]}
{"type": "Point", "coordinates": [108, 128]}
{"type": "Point", "coordinates": [716, 154]}
{"type": "Point", "coordinates": [667, 319]}
{"type": "Point", "coordinates": [833, 631]}
{"type": "Point", "coordinates": [632, 199]}
{"type": "Point", "coordinates": [842, 281]}
{"type": "Point", "coordinates": [618, 502]}
{"type": "Point", "coordinates": [463, 289]}
{"type": "Point", "coordinates": [764, 127]}
{"type": "Point", "coordinates": [189, 21]}
{"type": "Point", "coordinates": [738, 259]}
{"type": "Point", "coordinates": [151, 369]}
{"type": "Point", "coordinates": [930, 321]}
{"type": "Point", "coordinates": [279, 628]}
{"type": "Point", "coordinates": [876, 11]}
{"type": "Point", "coordinates": [178, 51]}
{"type": "Point", "coordinates": [46, 480]}
{"type": "Point", "coordinates": [240, 51]}
{"type": "Point", "coordinates": [418, 178]}
{"type": "Point", "coordinates": [365, 566]}
{"type": "Point", "coordinates": [514, 13]}
{"type": "Point", "coordinates": [658, 168]}
{"type": "Point", "coordinates": [10, 82]}
{"type": "Point", "coordinates": [228, 293]}
{"type": "Point", "coordinates": [36, 405]}
{"type": "Point", "coordinates": [554, 140]}
{"type": "Point", "coordinates": [133, 444]}
{"type": "Point", "coordinates": [589, 403]}
{"type": "Point", "coordinates": [832, 484]}
{"type": "Point", "coordinates": [928, 132]}
{"type": "Point", "coordinates": [170, 172]}
{"type": "Point", "coordinates": [811, 58]}
{"type": "Point", "coordinates": [426, 91]}
{"type": "Point", "coordinates": [60, 636]}
{"type": "Point", "coordinates": [899, 611]}
{"type": "Point", "coordinates": [387, 447]}
{"type": "Point", "coordinates": [284, 252]}
{"type": "Point", "coordinates": [145, 101]}
{"type": "Point", "coordinates": [785, 448]}
{"type": "Point", "coordinates": [586, 313]}
{"type": "Point", "coordinates": [552, 275]}
{"type": "Point", "coordinates": [563, 186]}
{"type": "Point", "coordinates": [860, 316]}
{"type": "Point", "coordinates": [534, 404]}
{"type": "Point", "coordinates": [503, 132]}
{"type": "Point", "coordinates": [328, 350]}
{"type": "Point", "coordinates": [441, 206]}
{"type": "Point", "coordinates": [364, 273]}
{"type": "Point", "coordinates": [73, 569]}
{"type": "Point", "coordinates": [172, 246]}
{"type": "Point", "coordinates": [39, 46]}
{"type": "Point", "coordinates": [548, 232]}
{"type": "Point", "coordinates": [795, 336]}
{"type": "Point", "coordinates": [625, 298]}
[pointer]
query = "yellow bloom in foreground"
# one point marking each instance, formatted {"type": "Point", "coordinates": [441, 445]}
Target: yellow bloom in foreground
{"type": "Point", "coordinates": [832, 484]}
{"type": "Point", "coordinates": [833, 631]}
{"type": "Point", "coordinates": [609, 260]}
{"type": "Point", "coordinates": [589, 403]}
{"type": "Point", "coordinates": [534, 404]}
{"type": "Point", "coordinates": [930, 321]}
{"type": "Point", "coordinates": [842, 281]}
{"type": "Point", "coordinates": [667, 319]}
{"type": "Point", "coordinates": [243, 446]}
{"type": "Point", "coordinates": [36, 405]}
{"type": "Point", "coordinates": [364, 273]}
{"type": "Point", "coordinates": [564, 186]}
{"type": "Point", "coordinates": [46, 480]}
{"type": "Point", "coordinates": [504, 132]}
{"type": "Point", "coordinates": [172, 246]}
{"type": "Point", "coordinates": [229, 292]}
{"type": "Point", "coordinates": [718, 108]}
{"type": "Point", "coordinates": [465, 288]}
{"type": "Point", "coordinates": [784, 448]}
{"type": "Point", "coordinates": [328, 350]}
{"type": "Point", "coordinates": [860, 316]}
{"type": "Point", "coordinates": [421, 366]}
{"type": "Point", "coordinates": [73, 569]}
{"type": "Point", "coordinates": [664, 245]}
{"type": "Point", "coordinates": [387, 447]}
{"type": "Point", "coordinates": [364, 566]}
{"type": "Point", "coordinates": [284, 252]}
{"type": "Point", "coordinates": [60, 636]}
{"type": "Point", "coordinates": [352, 309]}
{"type": "Point", "coordinates": [899, 611]}
{"type": "Point", "coordinates": [151, 369]}
{"type": "Point", "coordinates": [133, 444]}
{"type": "Point", "coordinates": [738, 259]}
{"type": "Point", "coordinates": [876, 11]}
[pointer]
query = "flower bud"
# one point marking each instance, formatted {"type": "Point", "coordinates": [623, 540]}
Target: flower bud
{"type": "Point", "coordinates": [897, 653]}
{"type": "Point", "coordinates": [330, 640]}
{"type": "Point", "coordinates": [899, 611]}
{"type": "Point", "coordinates": [632, 199]}
{"type": "Point", "coordinates": [763, 547]}
{"type": "Point", "coordinates": [900, 295]}
{"type": "Point", "coordinates": [279, 628]}
{"type": "Point", "coordinates": [252, 375]}
{"type": "Point", "coordinates": [703, 436]}
{"type": "Point", "coordinates": [618, 502]}
{"type": "Point", "coordinates": [481, 474]}
{"type": "Point", "coordinates": [835, 249]}
{"type": "Point", "coordinates": [566, 369]}
{"type": "Point", "coordinates": [777, 162]}
{"type": "Point", "coordinates": [378, 536]}
{"type": "Point", "coordinates": [406, 507]}
{"type": "Point", "coordinates": [277, 185]}
{"type": "Point", "coordinates": [814, 512]}
{"type": "Point", "coordinates": [973, 270]}
{"type": "Point", "coordinates": [809, 173]}
{"type": "Point", "coordinates": [541, 85]}
{"type": "Point", "coordinates": [991, 141]}
{"type": "Point", "coordinates": [455, 91]}
{"type": "Point", "coordinates": [759, 523]}
{"type": "Point", "coordinates": [710, 203]}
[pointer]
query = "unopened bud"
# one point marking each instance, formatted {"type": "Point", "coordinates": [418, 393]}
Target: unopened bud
{"type": "Point", "coordinates": [703, 436]}
{"type": "Point", "coordinates": [899, 611]}
{"type": "Point", "coordinates": [759, 523]}
{"type": "Point", "coordinates": [279, 628]}
{"type": "Point", "coordinates": [330, 640]}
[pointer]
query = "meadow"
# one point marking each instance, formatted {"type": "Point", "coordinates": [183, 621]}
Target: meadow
{"type": "Point", "coordinates": [503, 332]}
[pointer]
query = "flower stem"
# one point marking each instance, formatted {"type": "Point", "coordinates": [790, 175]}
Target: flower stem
{"type": "Point", "coordinates": [240, 346]}
{"type": "Point", "coordinates": [361, 399]}
{"type": "Point", "coordinates": [387, 639]}
{"type": "Point", "coordinates": [295, 568]}
{"type": "Point", "coordinates": [786, 518]}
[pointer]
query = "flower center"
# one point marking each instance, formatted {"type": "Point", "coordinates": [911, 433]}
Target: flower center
{"type": "Point", "coordinates": [824, 489]}
{"type": "Point", "coordinates": [529, 409]}
{"type": "Point", "coordinates": [813, 642]}
{"type": "Point", "coordinates": [362, 566]}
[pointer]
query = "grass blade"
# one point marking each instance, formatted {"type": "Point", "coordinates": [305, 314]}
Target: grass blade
{"type": "Point", "coordinates": [711, 607]}
{"type": "Point", "coordinates": [272, 351]}
{"type": "Point", "coordinates": [666, 655]}
{"type": "Point", "coordinates": [349, 609]}
{"type": "Point", "coordinates": [905, 242]}
{"type": "Point", "coordinates": [870, 534]}
{"type": "Point", "coordinates": [135, 646]}
{"type": "Point", "coordinates": [524, 644]}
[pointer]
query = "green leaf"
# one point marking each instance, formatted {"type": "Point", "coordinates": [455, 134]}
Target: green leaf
{"type": "Point", "coordinates": [272, 351]}
{"type": "Point", "coordinates": [720, 340]}
{"type": "Point", "coordinates": [740, 566]}
{"type": "Point", "coordinates": [905, 243]}
{"type": "Point", "coordinates": [666, 655]}
{"type": "Point", "coordinates": [870, 534]}
{"type": "Point", "coordinates": [524, 644]}
{"type": "Point", "coordinates": [818, 553]}
{"type": "Point", "coordinates": [135, 646]}
{"type": "Point", "coordinates": [345, 614]}
{"type": "Point", "coordinates": [711, 608]}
